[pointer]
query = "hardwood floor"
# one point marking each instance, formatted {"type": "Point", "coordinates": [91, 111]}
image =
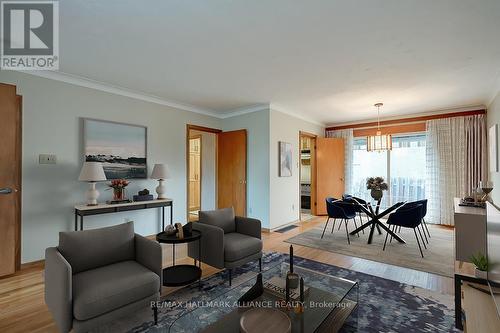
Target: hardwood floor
{"type": "Point", "coordinates": [22, 306]}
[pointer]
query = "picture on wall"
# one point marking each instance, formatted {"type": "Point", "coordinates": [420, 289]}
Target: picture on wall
{"type": "Point", "coordinates": [285, 151]}
{"type": "Point", "coordinates": [121, 148]}
{"type": "Point", "coordinates": [493, 147]}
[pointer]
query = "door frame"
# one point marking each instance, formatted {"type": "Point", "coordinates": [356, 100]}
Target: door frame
{"type": "Point", "coordinates": [216, 131]}
{"type": "Point", "coordinates": [313, 171]}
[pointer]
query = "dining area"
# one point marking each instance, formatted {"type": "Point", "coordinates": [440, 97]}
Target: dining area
{"type": "Point", "coordinates": [375, 218]}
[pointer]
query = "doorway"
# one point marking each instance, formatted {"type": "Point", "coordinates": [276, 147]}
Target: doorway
{"type": "Point", "coordinates": [307, 175]}
{"type": "Point", "coordinates": [10, 180]}
{"type": "Point", "coordinates": [201, 171]}
{"type": "Point", "coordinates": [195, 175]}
{"type": "Point", "coordinates": [215, 169]}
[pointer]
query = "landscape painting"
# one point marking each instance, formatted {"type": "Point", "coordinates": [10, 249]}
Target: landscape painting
{"type": "Point", "coordinates": [285, 159]}
{"type": "Point", "coordinates": [121, 148]}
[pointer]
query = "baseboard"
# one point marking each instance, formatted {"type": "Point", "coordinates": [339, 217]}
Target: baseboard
{"type": "Point", "coordinates": [33, 264]}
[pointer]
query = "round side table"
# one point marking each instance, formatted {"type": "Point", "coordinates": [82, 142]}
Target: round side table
{"type": "Point", "coordinates": [181, 275]}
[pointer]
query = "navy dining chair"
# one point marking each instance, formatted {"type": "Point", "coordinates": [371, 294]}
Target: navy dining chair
{"type": "Point", "coordinates": [407, 217]}
{"type": "Point", "coordinates": [338, 209]}
{"type": "Point", "coordinates": [357, 202]}
{"type": "Point", "coordinates": [424, 212]}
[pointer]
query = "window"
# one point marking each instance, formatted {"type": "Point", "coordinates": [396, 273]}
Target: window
{"type": "Point", "coordinates": [403, 168]}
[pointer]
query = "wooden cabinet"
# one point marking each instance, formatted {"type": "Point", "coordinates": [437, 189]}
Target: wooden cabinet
{"type": "Point", "coordinates": [470, 231]}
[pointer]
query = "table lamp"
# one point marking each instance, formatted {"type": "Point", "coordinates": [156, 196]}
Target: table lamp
{"type": "Point", "coordinates": [160, 172]}
{"type": "Point", "coordinates": [92, 172]}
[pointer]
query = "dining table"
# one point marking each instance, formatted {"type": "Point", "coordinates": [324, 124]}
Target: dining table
{"type": "Point", "coordinates": [375, 215]}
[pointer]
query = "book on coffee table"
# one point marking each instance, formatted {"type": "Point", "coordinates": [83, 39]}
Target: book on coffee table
{"type": "Point", "coordinates": [277, 286]}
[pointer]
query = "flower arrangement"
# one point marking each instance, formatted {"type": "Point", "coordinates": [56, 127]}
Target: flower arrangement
{"type": "Point", "coordinates": [376, 183]}
{"type": "Point", "coordinates": [118, 186]}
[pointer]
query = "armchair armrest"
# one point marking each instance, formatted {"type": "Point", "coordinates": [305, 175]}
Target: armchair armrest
{"type": "Point", "coordinates": [248, 226]}
{"type": "Point", "coordinates": [148, 253]}
{"type": "Point", "coordinates": [212, 245]}
{"type": "Point", "coordinates": [58, 288]}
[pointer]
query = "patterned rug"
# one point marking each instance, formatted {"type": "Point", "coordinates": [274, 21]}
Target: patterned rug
{"type": "Point", "coordinates": [438, 258]}
{"type": "Point", "coordinates": [385, 305]}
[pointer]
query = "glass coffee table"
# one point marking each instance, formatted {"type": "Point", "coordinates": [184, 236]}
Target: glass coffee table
{"type": "Point", "coordinates": [330, 303]}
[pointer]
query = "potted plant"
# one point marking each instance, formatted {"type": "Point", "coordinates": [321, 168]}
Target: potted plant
{"type": "Point", "coordinates": [481, 263]}
{"type": "Point", "coordinates": [118, 186]}
{"type": "Point", "coordinates": [376, 185]}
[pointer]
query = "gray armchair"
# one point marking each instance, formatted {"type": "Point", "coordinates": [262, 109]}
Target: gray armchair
{"type": "Point", "coordinates": [227, 241]}
{"type": "Point", "coordinates": [96, 276]}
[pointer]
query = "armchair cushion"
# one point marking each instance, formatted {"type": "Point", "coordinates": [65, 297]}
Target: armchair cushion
{"type": "Point", "coordinates": [90, 249]}
{"type": "Point", "coordinates": [238, 246]}
{"type": "Point", "coordinates": [107, 288]}
{"type": "Point", "coordinates": [222, 218]}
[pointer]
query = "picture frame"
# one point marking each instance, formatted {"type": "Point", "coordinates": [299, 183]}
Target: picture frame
{"type": "Point", "coordinates": [493, 147]}
{"type": "Point", "coordinates": [285, 159]}
{"type": "Point", "coordinates": [120, 147]}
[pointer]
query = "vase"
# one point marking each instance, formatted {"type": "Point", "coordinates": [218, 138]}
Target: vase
{"type": "Point", "coordinates": [376, 194]}
{"type": "Point", "coordinates": [118, 194]}
{"type": "Point", "coordinates": [481, 274]}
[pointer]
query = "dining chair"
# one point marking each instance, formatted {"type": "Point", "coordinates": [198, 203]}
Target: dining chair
{"type": "Point", "coordinates": [424, 212]}
{"type": "Point", "coordinates": [357, 202]}
{"type": "Point", "coordinates": [407, 217]}
{"type": "Point", "coordinates": [339, 209]}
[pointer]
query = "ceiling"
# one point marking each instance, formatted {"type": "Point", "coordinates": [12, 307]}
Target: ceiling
{"type": "Point", "coordinates": [328, 61]}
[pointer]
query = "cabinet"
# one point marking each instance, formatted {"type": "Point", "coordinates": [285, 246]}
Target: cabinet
{"type": "Point", "coordinates": [470, 231]}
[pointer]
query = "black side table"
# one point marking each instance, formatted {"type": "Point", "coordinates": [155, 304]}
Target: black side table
{"type": "Point", "coordinates": [181, 275]}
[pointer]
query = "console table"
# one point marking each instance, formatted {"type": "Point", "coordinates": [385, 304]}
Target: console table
{"type": "Point", "coordinates": [84, 210]}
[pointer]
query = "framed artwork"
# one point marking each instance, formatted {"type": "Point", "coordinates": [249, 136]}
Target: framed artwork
{"type": "Point", "coordinates": [285, 152]}
{"type": "Point", "coordinates": [121, 148]}
{"type": "Point", "coordinates": [493, 147]}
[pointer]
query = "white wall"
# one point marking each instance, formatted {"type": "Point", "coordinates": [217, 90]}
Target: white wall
{"type": "Point", "coordinates": [52, 114]}
{"type": "Point", "coordinates": [257, 126]}
{"type": "Point", "coordinates": [493, 117]}
{"type": "Point", "coordinates": [284, 191]}
{"type": "Point", "coordinates": [208, 169]}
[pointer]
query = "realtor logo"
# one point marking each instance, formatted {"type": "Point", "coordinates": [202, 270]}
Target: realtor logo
{"type": "Point", "coordinates": [29, 35]}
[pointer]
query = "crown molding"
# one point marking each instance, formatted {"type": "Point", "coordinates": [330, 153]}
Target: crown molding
{"type": "Point", "coordinates": [245, 110]}
{"type": "Point", "coordinates": [117, 90]}
{"type": "Point", "coordinates": [413, 115]}
{"type": "Point", "coordinates": [295, 115]}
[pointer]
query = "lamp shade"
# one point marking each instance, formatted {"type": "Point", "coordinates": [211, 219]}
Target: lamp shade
{"type": "Point", "coordinates": [92, 172]}
{"type": "Point", "coordinates": [160, 171]}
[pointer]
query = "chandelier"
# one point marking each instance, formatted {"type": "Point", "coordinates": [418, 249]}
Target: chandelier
{"type": "Point", "coordinates": [379, 142]}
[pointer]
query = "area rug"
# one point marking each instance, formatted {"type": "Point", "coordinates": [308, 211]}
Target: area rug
{"type": "Point", "coordinates": [384, 305]}
{"type": "Point", "coordinates": [438, 257]}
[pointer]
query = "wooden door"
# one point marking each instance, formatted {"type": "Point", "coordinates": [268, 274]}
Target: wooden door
{"type": "Point", "coordinates": [10, 179]}
{"type": "Point", "coordinates": [195, 173]}
{"type": "Point", "coordinates": [232, 171]}
{"type": "Point", "coordinates": [329, 171]}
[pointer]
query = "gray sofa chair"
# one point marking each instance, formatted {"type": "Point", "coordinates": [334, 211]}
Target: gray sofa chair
{"type": "Point", "coordinates": [227, 241]}
{"type": "Point", "coordinates": [96, 276]}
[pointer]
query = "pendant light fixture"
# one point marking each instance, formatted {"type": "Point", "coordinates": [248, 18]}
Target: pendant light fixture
{"type": "Point", "coordinates": [379, 142]}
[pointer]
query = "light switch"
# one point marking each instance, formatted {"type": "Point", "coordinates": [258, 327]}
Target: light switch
{"type": "Point", "coordinates": [47, 159]}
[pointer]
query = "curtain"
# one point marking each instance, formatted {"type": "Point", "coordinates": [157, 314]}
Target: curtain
{"type": "Point", "coordinates": [348, 137]}
{"type": "Point", "coordinates": [455, 162]}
